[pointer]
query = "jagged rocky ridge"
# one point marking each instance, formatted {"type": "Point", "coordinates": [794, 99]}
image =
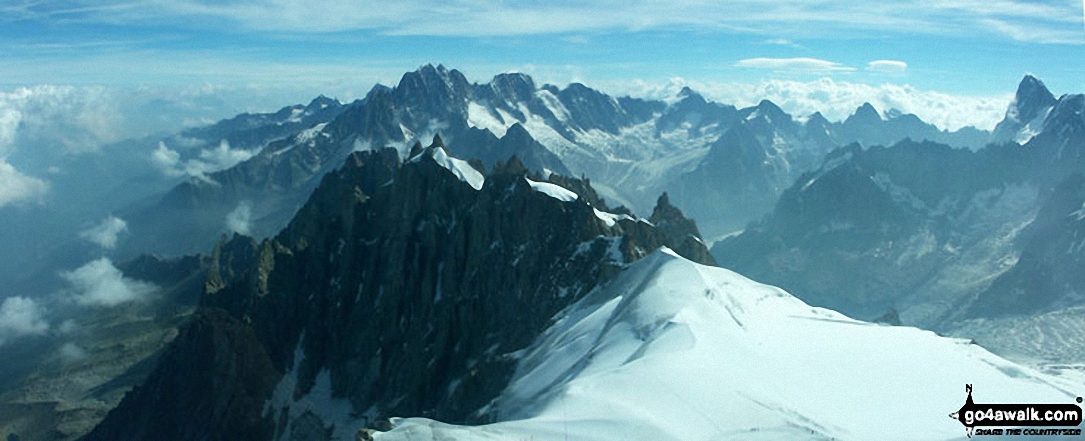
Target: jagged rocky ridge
{"type": "Point", "coordinates": [399, 288]}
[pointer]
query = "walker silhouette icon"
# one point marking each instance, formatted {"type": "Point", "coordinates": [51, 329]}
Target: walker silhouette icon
{"type": "Point", "coordinates": [960, 413]}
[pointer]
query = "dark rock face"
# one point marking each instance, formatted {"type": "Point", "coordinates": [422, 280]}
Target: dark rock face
{"type": "Point", "coordinates": [891, 318]}
{"type": "Point", "coordinates": [483, 145]}
{"type": "Point", "coordinates": [204, 387]}
{"type": "Point", "coordinates": [403, 288]}
{"type": "Point", "coordinates": [679, 232]}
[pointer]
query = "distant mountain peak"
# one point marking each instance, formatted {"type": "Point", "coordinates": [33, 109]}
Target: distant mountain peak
{"type": "Point", "coordinates": [1025, 114]}
{"type": "Point", "coordinates": [378, 89]}
{"type": "Point", "coordinates": [768, 111]}
{"type": "Point", "coordinates": [817, 119]}
{"type": "Point", "coordinates": [690, 96]}
{"type": "Point", "coordinates": [866, 114]}
{"type": "Point", "coordinates": [514, 78]}
{"type": "Point", "coordinates": [429, 76]}
{"type": "Point", "coordinates": [514, 85]}
{"type": "Point", "coordinates": [437, 141]}
{"type": "Point", "coordinates": [867, 109]}
{"type": "Point", "coordinates": [1032, 97]}
{"type": "Point", "coordinates": [321, 102]}
{"type": "Point", "coordinates": [769, 106]}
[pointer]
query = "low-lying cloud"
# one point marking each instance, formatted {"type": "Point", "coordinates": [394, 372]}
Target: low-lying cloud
{"type": "Point", "coordinates": [106, 233]}
{"type": "Point", "coordinates": [240, 220]}
{"type": "Point", "coordinates": [99, 283]}
{"type": "Point", "coordinates": [21, 316]}
{"type": "Point", "coordinates": [71, 352]}
{"type": "Point", "coordinates": [209, 160]}
{"type": "Point", "coordinates": [837, 99]}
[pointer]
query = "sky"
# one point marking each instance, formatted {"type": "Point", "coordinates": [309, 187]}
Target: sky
{"type": "Point", "coordinates": [953, 62]}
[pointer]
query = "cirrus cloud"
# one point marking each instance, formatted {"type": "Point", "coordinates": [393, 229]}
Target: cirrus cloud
{"type": "Point", "coordinates": [887, 66]}
{"type": "Point", "coordinates": [795, 65]}
{"type": "Point", "coordinates": [1051, 21]}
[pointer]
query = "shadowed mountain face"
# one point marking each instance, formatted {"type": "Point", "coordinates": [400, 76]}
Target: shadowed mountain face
{"type": "Point", "coordinates": [939, 234]}
{"type": "Point", "coordinates": [1048, 275]}
{"type": "Point", "coordinates": [398, 289]}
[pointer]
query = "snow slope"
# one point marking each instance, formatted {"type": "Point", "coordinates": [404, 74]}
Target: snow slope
{"type": "Point", "coordinates": [464, 171]}
{"type": "Point", "coordinates": [672, 350]}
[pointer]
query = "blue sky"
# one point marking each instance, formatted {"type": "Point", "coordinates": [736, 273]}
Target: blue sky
{"type": "Point", "coordinates": [973, 49]}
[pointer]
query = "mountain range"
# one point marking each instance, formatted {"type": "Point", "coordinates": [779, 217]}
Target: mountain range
{"type": "Point", "coordinates": [489, 258]}
{"type": "Point", "coordinates": [632, 149]}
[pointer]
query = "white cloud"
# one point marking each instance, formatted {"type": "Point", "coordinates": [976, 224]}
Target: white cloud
{"type": "Point", "coordinates": [166, 160]}
{"type": "Point", "coordinates": [105, 234]}
{"type": "Point", "coordinates": [60, 119]}
{"type": "Point", "coordinates": [795, 65]}
{"type": "Point", "coordinates": [207, 161]}
{"type": "Point", "coordinates": [99, 283]}
{"type": "Point", "coordinates": [16, 187]}
{"type": "Point", "coordinates": [240, 220]}
{"type": "Point", "coordinates": [20, 316]}
{"type": "Point", "coordinates": [837, 99]}
{"type": "Point", "coordinates": [887, 66]}
{"type": "Point", "coordinates": [222, 157]}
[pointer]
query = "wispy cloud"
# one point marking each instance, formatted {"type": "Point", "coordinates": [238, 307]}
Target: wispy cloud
{"type": "Point", "coordinates": [887, 66]}
{"type": "Point", "coordinates": [795, 65]}
{"type": "Point", "coordinates": [784, 42]}
{"type": "Point", "coordinates": [520, 17]}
